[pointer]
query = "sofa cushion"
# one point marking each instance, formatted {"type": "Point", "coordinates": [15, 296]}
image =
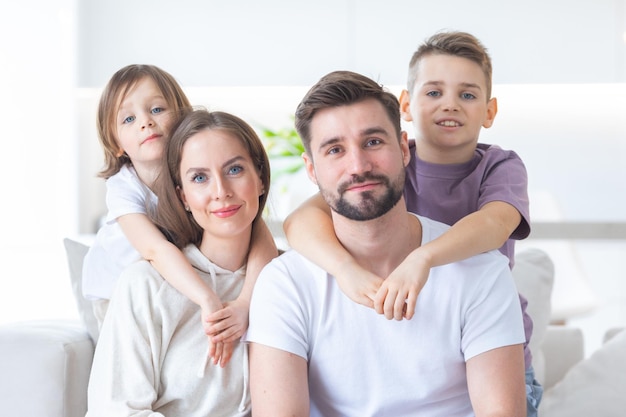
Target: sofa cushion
{"type": "Point", "coordinates": [534, 276]}
{"type": "Point", "coordinates": [44, 368]}
{"type": "Point", "coordinates": [76, 252]}
{"type": "Point", "coordinates": [593, 387]}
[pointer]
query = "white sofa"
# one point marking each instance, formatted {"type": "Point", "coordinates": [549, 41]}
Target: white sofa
{"type": "Point", "coordinates": [45, 365]}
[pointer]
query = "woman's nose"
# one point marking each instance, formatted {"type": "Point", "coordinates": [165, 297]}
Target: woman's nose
{"type": "Point", "coordinates": [221, 188]}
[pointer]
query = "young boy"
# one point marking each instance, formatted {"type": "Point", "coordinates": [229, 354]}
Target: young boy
{"type": "Point", "coordinates": [481, 190]}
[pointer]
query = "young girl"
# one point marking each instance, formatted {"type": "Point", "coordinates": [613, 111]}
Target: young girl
{"type": "Point", "coordinates": [136, 112]}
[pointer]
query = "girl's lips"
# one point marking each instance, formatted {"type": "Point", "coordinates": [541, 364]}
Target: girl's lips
{"type": "Point", "coordinates": [226, 211]}
{"type": "Point", "coordinates": [149, 138]}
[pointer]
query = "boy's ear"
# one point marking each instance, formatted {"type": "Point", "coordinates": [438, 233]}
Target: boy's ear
{"type": "Point", "coordinates": [405, 106]}
{"type": "Point", "coordinates": [492, 109]}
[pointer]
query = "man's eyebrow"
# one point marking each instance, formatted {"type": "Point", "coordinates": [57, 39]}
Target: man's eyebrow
{"type": "Point", "coordinates": [331, 141]}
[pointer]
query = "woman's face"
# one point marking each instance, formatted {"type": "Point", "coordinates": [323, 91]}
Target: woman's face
{"type": "Point", "coordinates": [220, 183]}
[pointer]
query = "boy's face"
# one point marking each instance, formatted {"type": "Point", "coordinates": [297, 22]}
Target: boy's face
{"type": "Point", "coordinates": [448, 105]}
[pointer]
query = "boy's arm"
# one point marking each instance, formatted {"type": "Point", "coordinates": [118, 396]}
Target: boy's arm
{"type": "Point", "coordinates": [478, 232]}
{"type": "Point", "coordinates": [309, 230]}
{"type": "Point", "coordinates": [495, 380]}
{"type": "Point", "coordinates": [262, 251]}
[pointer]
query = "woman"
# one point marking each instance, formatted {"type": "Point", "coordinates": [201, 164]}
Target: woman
{"type": "Point", "coordinates": [151, 357]}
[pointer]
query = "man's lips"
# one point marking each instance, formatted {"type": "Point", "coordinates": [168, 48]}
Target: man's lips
{"type": "Point", "coordinates": [226, 211]}
{"type": "Point", "coordinates": [363, 186]}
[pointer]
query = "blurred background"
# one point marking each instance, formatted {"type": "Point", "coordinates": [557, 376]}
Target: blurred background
{"type": "Point", "coordinates": [559, 75]}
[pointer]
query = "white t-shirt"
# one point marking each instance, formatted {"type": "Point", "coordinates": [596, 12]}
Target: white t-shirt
{"type": "Point", "coordinates": [360, 363]}
{"type": "Point", "coordinates": [111, 251]}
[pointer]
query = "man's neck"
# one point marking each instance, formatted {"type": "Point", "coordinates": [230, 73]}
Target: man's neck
{"type": "Point", "coordinates": [380, 245]}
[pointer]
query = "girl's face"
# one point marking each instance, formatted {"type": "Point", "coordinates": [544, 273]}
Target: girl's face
{"type": "Point", "coordinates": [220, 183]}
{"type": "Point", "coordinates": [143, 123]}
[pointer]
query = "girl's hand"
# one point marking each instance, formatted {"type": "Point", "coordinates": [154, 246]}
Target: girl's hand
{"type": "Point", "coordinates": [225, 327]}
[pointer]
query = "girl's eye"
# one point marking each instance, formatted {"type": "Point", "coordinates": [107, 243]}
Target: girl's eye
{"type": "Point", "coordinates": [129, 119]}
{"type": "Point", "coordinates": [157, 110]}
{"type": "Point", "coordinates": [199, 178]}
{"type": "Point", "coordinates": [234, 170]}
{"type": "Point", "coordinates": [433, 93]}
{"type": "Point", "coordinates": [468, 96]}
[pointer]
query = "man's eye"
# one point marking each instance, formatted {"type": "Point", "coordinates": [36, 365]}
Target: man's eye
{"type": "Point", "coordinates": [129, 119]}
{"type": "Point", "coordinates": [373, 142]}
{"type": "Point", "coordinates": [333, 150]}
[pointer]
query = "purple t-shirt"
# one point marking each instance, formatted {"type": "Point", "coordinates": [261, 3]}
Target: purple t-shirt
{"type": "Point", "coordinates": [447, 193]}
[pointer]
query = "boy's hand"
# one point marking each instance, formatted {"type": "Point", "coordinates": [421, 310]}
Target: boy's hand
{"type": "Point", "coordinates": [359, 284]}
{"type": "Point", "coordinates": [397, 296]}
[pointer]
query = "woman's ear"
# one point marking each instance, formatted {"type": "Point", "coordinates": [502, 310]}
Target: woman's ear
{"type": "Point", "coordinates": [405, 106]}
{"type": "Point", "coordinates": [492, 110]}
{"type": "Point", "coordinates": [181, 197]}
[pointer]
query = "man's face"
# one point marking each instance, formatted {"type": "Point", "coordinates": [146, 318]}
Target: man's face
{"type": "Point", "coordinates": [356, 159]}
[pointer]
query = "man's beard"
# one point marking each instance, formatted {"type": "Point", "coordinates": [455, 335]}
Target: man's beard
{"type": "Point", "coordinates": [369, 207]}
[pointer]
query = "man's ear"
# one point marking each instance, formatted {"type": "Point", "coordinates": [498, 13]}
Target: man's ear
{"type": "Point", "coordinates": [405, 106]}
{"type": "Point", "coordinates": [310, 168]}
{"type": "Point", "coordinates": [492, 110]}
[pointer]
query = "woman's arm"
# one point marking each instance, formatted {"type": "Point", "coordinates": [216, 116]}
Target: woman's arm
{"type": "Point", "coordinates": [309, 230]}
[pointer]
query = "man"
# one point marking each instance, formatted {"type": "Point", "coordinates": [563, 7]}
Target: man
{"type": "Point", "coordinates": [315, 352]}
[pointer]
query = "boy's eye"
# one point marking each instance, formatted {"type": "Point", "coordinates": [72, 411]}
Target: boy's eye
{"type": "Point", "coordinates": [468, 96]}
{"type": "Point", "coordinates": [433, 93]}
{"type": "Point", "coordinates": [129, 119]}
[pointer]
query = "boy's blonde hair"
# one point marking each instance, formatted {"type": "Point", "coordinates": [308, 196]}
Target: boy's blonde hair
{"type": "Point", "coordinates": [461, 44]}
{"type": "Point", "coordinates": [114, 92]}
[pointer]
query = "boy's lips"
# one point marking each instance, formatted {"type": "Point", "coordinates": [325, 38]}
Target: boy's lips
{"type": "Point", "coordinates": [226, 211]}
{"type": "Point", "coordinates": [449, 123]}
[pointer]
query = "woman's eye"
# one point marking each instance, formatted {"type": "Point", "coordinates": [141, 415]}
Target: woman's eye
{"type": "Point", "coordinates": [199, 178]}
{"type": "Point", "coordinates": [129, 119]}
{"type": "Point", "coordinates": [234, 170]}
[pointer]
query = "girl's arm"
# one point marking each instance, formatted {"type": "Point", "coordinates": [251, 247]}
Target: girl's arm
{"type": "Point", "coordinates": [172, 264]}
{"type": "Point", "coordinates": [229, 324]}
{"type": "Point", "coordinates": [478, 232]}
{"type": "Point", "coordinates": [309, 230]}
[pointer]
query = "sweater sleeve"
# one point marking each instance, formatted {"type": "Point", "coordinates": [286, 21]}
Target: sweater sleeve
{"type": "Point", "coordinates": [126, 366]}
